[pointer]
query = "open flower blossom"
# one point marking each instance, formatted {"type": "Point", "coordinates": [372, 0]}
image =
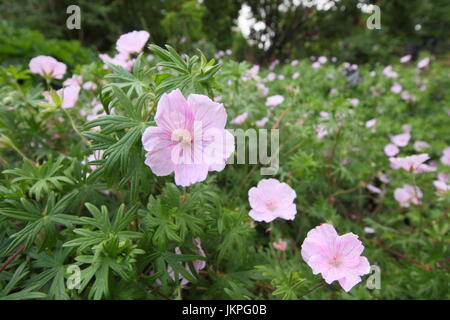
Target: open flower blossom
{"type": "Point", "coordinates": [421, 145]}
{"type": "Point", "coordinates": [441, 186]}
{"type": "Point", "coordinates": [75, 80]}
{"type": "Point", "coordinates": [401, 140]}
{"type": "Point", "coordinates": [120, 59]}
{"type": "Point", "coordinates": [335, 257]}
{"type": "Point", "coordinates": [423, 63]}
{"type": "Point", "coordinates": [47, 66]}
{"type": "Point", "coordinates": [190, 138]}
{"type": "Point", "coordinates": [354, 102]}
{"type": "Point", "coordinates": [405, 59]}
{"type": "Point", "coordinates": [240, 119]}
{"type": "Point", "coordinates": [410, 164]}
{"type": "Point", "coordinates": [408, 195]}
{"type": "Point", "coordinates": [198, 264]}
{"type": "Point", "coordinates": [445, 159]}
{"type": "Point", "coordinates": [321, 131]}
{"type": "Point", "coordinates": [262, 122]}
{"type": "Point", "coordinates": [274, 101]}
{"type": "Point", "coordinates": [132, 42]}
{"type": "Point", "coordinates": [280, 245]}
{"type": "Point", "coordinates": [374, 189]}
{"type": "Point", "coordinates": [396, 87]}
{"type": "Point", "coordinates": [391, 150]}
{"type": "Point", "coordinates": [272, 199]}
{"type": "Point", "coordinates": [68, 95]}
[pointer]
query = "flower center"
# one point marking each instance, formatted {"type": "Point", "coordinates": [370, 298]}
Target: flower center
{"type": "Point", "coordinates": [335, 262]}
{"type": "Point", "coordinates": [271, 205]}
{"type": "Point", "coordinates": [182, 136]}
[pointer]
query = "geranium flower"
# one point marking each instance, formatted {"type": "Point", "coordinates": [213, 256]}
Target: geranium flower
{"type": "Point", "coordinates": [47, 67]}
{"type": "Point", "coordinates": [272, 199]}
{"type": "Point", "coordinates": [405, 59]}
{"type": "Point", "coordinates": [68, 95]}
{"type": "Point", "coordinates": [423, 63]}
{"type": "Point", "coordinates": [280, 245]}
{"type": "Point", "coordinates": [391, 150]}
{"type": "Point", "coordinates": [335, 257]}
{"type": "Point", "coordinates": [198, 264]}
{"type": "Point", "coordinates": [190, 138]}
{"type": "Point", "coordinates": [396, 87]}
{"type": "Point", "coordinates": [401, 140]}
{"type": "Point", "coordinates": [75, 80]}
{"type": "Point", "coordinates": [354, 102]}
{"type": "Point", "coordinates": [445, 159]}
{"type": "Point", "coordinates": [407, 195]}
{"type": "Point", "coordinates": [410, 164]}
{"type": "Point", "coordinates": [240, 119]}
{"type": "Point", "coordinates": [132, 42]}
{"type": "Point", "coordinates": [262, 122]}
{"type": "Point", "coordinates": [274, 101]}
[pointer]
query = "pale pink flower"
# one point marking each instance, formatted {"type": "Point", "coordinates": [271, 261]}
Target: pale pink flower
{"type": "Point", "coordinates": [410, 164]}
{"type": "Point", "coordinates": [405, 59]}
{"type": "Point", "coordinates": [388, 72]}
{"type": "Point", "coordinates": [354, 102]}
{"type": "Point", "coordinates": [445, 159]}
{"type": "Point", "coordinates": [445, 177]}
{"type": "Point", "coordinates": [423, 63]}
{"type": "Point", "coordinates": [391, 150]}
{"type": "Point", "coordinates": [132, 42]}
{"type": "Point", "coordinates": [406, 128]}
{"type": "Point", "coordinates": [321, 131]}
{"type": "Point", "coordinates": [274, 101]}
{"type": "Point", "coordinates": [262, 122]}
{"type": "Point", "coordinates": [90, 85]}
{"type": "Point", "coordinates": [396, 88]}
{"type": "Point", "coordinates": [75, 80]}
{"type": "Point", "coordinates": [374, 189]}
{"type": "Point", "coordinates": [371, 123]}
{"type": "Point", "coordinates": [68, 95]}
{"type": "Point", "coordinates": [271, 76]}
{"type": "Point", "coordinates": [280, 245]}
{"type": "Point", "coordinates": [198, 264]}
{"type": "Point", "coordinates": [190, 138]}
{"type": "Point", "coordinates": [316, 65]}
{"type": "Point", "coordinates": [47, 67]}
{"type": "Point", "coordinates": [240, 119]}
{"type": "Point", "coordinates": [441, 187]}
{"type": "Point", "coordinates": [369, 230]}
{"type": "Point", "coordinates": [335, 257]}
{"type": "Point", "coordinates": [408, 195]}
{"type": "Point", "coordinates": [294, 63]}
{"type": "Point", "coordinates": [324, 115]}
{"type": "Point", "coordinates": [383, 177]}
{"type": "Point", "coordinates": [253, 71]}
{"type": "Point", "coordinates": [322, 59]}
{"type": "Point", "coordinates": [262, 89]}
{"type": "Point", "coordinates": [406, 96]}
{"type": "Point", "coordinates": [420, 146]}
{"type": "Point", "coordinates": [272, 199]}
{"type": "Point", "coordinates": [401, 140]}
{"type": "Point", "coordinates": [296, 75]}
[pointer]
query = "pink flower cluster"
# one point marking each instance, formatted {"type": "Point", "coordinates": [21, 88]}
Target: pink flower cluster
{"type": "Point", "coordinates": [408, 195]}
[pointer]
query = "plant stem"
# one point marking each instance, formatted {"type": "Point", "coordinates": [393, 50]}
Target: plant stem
{"type": "Point", "coordinates": [11, 259]}
{"type": "Point", "coordinates": [75, 127]}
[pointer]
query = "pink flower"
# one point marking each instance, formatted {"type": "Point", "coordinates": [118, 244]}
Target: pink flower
{"type": "Point", "coordinates": [445, 159]}
{"type": "Point", "coordinates": [294, 63]}
{"type": "Point", "coordinates": [354, 102]}
{"type": "Point", "coordinates": [407, 195]}
{"type": "Point", "coordinates": [95, 156]}
{"type": "Point", "coordinates": [324, 115]}
{"type": "Point", "coordinates": [374, 189]}
{"type": "Point", "coordinates": [68, 95]}
{"type": "Point", "coordinates": [262, 89]}
{"type": "Point", "coordinates": [90, 85]}
{"type": "Point", "coordinates": [396, 88]}
{"type": "Point", "coordinates": [262, 122]}
{"type": "Point", "coordinates": [406, 128]}
{"type": "Point", "coordinates": [75, 80]}
{"type": "Point", "coordinates": [405, 59]}
{"type": "Point", "coordinates": [121, 59]}
{"type": "Point", "coordinates": [198, 264]}
{"type": "Point", "coordinates": [406, 96]}
{"type": "Point", "coordinates": [322, 59]}
{"type": "Point", "coordinates": [321, 131]}
{"type": "Point", "coordinates": [388, 72]}
{"type": "Point", "coordinates": [445, 177]}
{"type": "Point", "coordinates": [420, 146]}
{"type": "Point", "coordinates": [296, 75]}
{"type": "Point", "coordinates": [391, 150]}
{"type": "Point", "coordinates": [316, 65]}
{"type": "Point", "coordinates": [423, 63]}
{"type": "Point", "coordinates": [441, 186]}
{"type": "Point", "coordinates": [271, 76]}
{"type": "Point", "coordinates": [190, 138]}
{"type": "Point", "coordinates": [401, 140]}
{"type": "Point", "coordinates": [280, 245]}
{"type": "Point", "coordinates": [335, 257]}
{"type": "Point", "coordinates": [369, 230]}
{"type": "Point", "coordinates": [274, 101]}
{"type": "Point", "coordinates": [240, 119]}
{"type": "Point", "coordinates": [272, 199]}
{"type": "Point", "coordinates": [371, 123]}
{"type": "Point", "coordinates": [132, 42]}
{"type": "Point", "coordinates": [47, 67]}
{"type": "Point", "coordinates": [410, 164]}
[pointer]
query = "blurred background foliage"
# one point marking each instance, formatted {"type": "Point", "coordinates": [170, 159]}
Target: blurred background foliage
{"type": "Point", "coordinates": [276, 28]}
